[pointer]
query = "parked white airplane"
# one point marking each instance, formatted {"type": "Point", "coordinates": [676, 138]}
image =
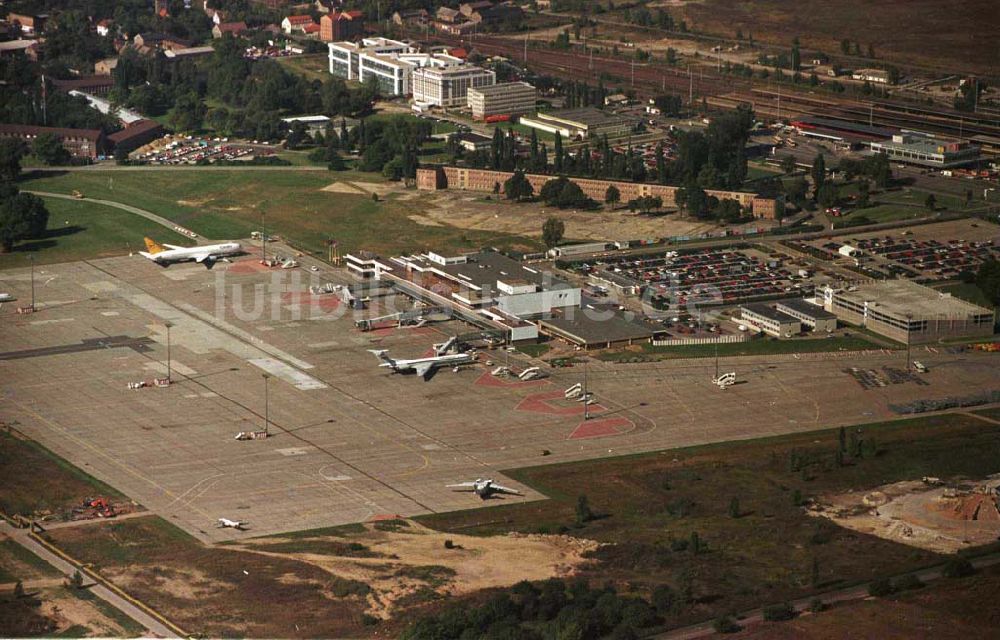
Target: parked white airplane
{"type": "Point", "coordinates": [484, 488]}
{"type": "Point", "coordinates": [226, 523]}
{"type": "Point", "coordinates": [423, 367]}
{"type": "Point", "coordinates": [168, 253]}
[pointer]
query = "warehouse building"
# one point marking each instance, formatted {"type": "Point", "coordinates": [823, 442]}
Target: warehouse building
{"type": "Point", "coordinates": [508, 98]}
{"type": "Point", "coordinates": [445, 84]}
{"type": "Point", "coordinates": [582, 123]}
{"type": "Point", "coordinates": [810, 314]}
{"type": "Point", "coordinates": [926, 151]}
{"type": "Point", "coordinates": [769, 320]}
{"type": "Point", "coordinates": [594, 328]}
{"type": "Point", "coordinates": [908, 312]}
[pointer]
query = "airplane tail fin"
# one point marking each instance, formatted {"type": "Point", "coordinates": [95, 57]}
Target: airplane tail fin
{"type": "Point", "coordinates": [381, 354]}
{"type": "Point", "coordinates": [152, 247]}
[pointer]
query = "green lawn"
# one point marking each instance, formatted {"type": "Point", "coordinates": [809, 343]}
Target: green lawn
{"type": "Point", "coordinates": [225, 204]}
{"type": "Point", "coordinates": [756, 347]}
{"type": "Point", "coordinates": [79, 230]}
{"type": "Point", "coordinates": [887, 213]}
{"type": "Point", "coordinates": [17, 563]}
{"type": "Point", "coordinates": [311, 67]}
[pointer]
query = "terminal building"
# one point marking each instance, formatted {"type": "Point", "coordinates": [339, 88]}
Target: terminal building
{"type": "Point", "coordinates": [908, 312]}
{"type": "Point", "coordinates": [445, 84]}
{"type": "Point", "coordinates": [483, 287]}
{"type": "Point", "coordinates": [927, 151]}
{"type": "Point", "coordinates": [582, 123]}
{"type": "Point", "coordinates": [508, 98]}
{"type": "Point", "coordinates": [769, 320]}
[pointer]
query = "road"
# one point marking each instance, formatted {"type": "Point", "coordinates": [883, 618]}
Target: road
{"type": "Point", "coordinates": [153, 626]}
{"type": "Point", "coordinates": [857, 592]}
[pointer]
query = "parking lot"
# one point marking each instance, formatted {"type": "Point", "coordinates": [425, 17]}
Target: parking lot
{"type": "Point", "coordinates": [349, 440]}
{"type": "Point", "coordinates": [191, 150]}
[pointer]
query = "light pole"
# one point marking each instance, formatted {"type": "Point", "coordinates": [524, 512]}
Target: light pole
{"type": "Point", "coordinates": [267, 419]}
{"type": "Point", "coordinates": [169, 370]}
{"type": "Point", "coordinates": [263, 240]}
{"type": "Point", "coordinates": [909, 317]}
{"type": "Point", "coordinates": [586, 400]}
{"type": "Point", "coordinates": [31, 259]}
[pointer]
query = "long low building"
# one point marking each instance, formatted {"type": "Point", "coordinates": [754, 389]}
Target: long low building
{"type": "Point", "coordinates": [80, 143]}
{"type": "Point", "coordinates": [927, 152]}
{"type": "Point", "coordinates": [810, 314]}
{"type": "Point", "coordinates": [486, 180]}
{"type": "Point", "coordinates": [582, 123]}
{"type": "Point", "coordinates": [594, 328]}
{"type": "Point", "coordinates": [908, 312]}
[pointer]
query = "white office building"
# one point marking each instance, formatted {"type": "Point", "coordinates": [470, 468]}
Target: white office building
{"type": "Point", "coordinates": [447, 85]}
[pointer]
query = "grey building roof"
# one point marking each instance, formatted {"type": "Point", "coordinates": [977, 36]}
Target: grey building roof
{"type": "Point", "coordinates": [596, 327]}
{"type": "Point", "coordinates": [806, 308]}
{"type": "Point", "coordinates": [769, 312]}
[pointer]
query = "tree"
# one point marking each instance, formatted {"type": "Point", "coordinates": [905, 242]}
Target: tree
{"type": "Point", "coordinates": [19, 589]}
{"type": "Point", "coordinates": [11, 152]}
{"type": "Point", "coordinates": [189, 111]}
{"type": "Point", "coordinates": [121, 155]}
{"type": "Point", "coordinates": [796, 58]}
{"type": "Point", "coordinates": [778, 612]}
{"type": "Point", "coordinates": [828, 194]}
{"type": "Point", "coordinates": [663, 599]}
{"type": "Point", "coordinates": [559, 159]}
{"type": "Point", "coordinates": [930, 201]}
{"type": "Point", "coordinates": [583, 512]}
{"type": "Point", "coordinates": [734, 508]}
{"type": "Point", "coordinates": [988, 280]}
{"type": "Point", "coordinates": [612, 196]}
{"type": "Point", "coordinates": [864, 194]}
{"type": "Point", "coordinates": [335, 162]}
{"type": "Point", "coordinates": [818, 173]}
{"type": "Point", "coordinates": [788, 164]}
{"type": "Point", "coordinates": [23, 216]}
{"type": "Point", "coordinates": [49, 149]}
{"type": "Point", "coordinates": [517, 187]}
{"type": "Point", "coordinates": [77, 580]}
{"type": "Point", "coordinates": [695, 543]}
{"type": "Point", "coordinates": [552, 233]}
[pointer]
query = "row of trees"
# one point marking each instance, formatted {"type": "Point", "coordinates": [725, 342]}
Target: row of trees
{"type": "Point", "coordinates": [551, 609]}
{"type": "Point", "coordinates": [23, 216]}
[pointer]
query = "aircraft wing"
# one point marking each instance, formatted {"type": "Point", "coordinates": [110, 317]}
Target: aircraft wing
{"type": "Point", "coordinates": [423, 369]}
{"type": "Point", "coordinates": [202, 257]}
{"type": "Point", "coordinates": [500, 489]}
{"type": "Point", "coordinates": [462, 485]}
{"type": "Point", "coordinates": [173, 246]}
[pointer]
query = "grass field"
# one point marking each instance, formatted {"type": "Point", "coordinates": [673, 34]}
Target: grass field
{"type": "Point", "coordinates": [756, 347]}
{"type": "Point", "coordinates": [311, 67]}
{"type": "Point", "coordinates": [227, 204]}
{"type": "Point", "coordinates": [35, 479]}
{"type": "Point", "coordinates": [17, 563]}
{"type": "Point", "coordinates": [762, 549]}
{"type": "Point", "coordinates": [80, 230]}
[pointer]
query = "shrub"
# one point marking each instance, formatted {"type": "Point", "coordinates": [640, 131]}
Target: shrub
{"type": "Point", "coordinates": [880, 588]}
{"type": "Point", "coordinates": [907, 582]}
{"type": "Point", "coordinates": [663, 598]}
{"type": "Point", "coordinates": [779, 612]}
{"type": "Point", "coordinates": [448, 544]}
{"type": "Point", "coordinates": [816, 605]}
{"type": "Point", "coordinates": [725, 624]}
{"type": "Point", "coordinates": [958, 568]}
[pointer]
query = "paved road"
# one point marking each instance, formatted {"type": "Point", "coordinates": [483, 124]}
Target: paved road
{"type": "Point", "coordinates": [153, 626]}
{"type": "Point", "coordinates": [857, 592]}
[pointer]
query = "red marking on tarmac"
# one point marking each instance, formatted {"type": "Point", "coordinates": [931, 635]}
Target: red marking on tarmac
{"type": "Point", "coordinates": [490, 380]}
{"type": "Point", "coordinates": [601, 428]}
{"type": "Point", "coordinates": [250, 265]}
{"type": "Point", "coordinates": [539, 403]}
{"type": "Point", "coordinates": [322, 302]}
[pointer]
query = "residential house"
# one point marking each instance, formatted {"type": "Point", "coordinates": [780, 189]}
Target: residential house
{"type": "Point", "coordinates": [105, 27]}
{"type": "Point", "coordinates": [234, 29]}
{"type": "Point", "coordinates": [413, 17]}
{"type": "Point", "coordinates": [105, 67]}
{"type": "Point", "coordinates": [30, 24]}
{"type": "Point", "coordinates": [12, 48]}
{"type": "Point", "coordinates": [296, 24]}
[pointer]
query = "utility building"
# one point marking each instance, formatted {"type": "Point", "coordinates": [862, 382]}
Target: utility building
{"type": "Point", "coordinates": [769, 320]}
{"type": "Point", "coordinates": [809, 314]}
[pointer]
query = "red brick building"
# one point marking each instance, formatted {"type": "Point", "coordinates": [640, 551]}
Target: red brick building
{"type": "Point", "coordinates": [344, 25]}
{"type": "Point", "coordinates": [462, 178]}
{"type": "Point", "coordinates": [81, 143]}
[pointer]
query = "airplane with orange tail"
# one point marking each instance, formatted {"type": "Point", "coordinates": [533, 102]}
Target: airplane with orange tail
{"type": "Point", "coordinates": [166, 254]}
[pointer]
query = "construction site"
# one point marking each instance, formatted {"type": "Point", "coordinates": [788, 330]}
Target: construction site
{"type": "Point", "coordinates": [271, 408]}
{"type": "Point", "coordinates": [931, 513]}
